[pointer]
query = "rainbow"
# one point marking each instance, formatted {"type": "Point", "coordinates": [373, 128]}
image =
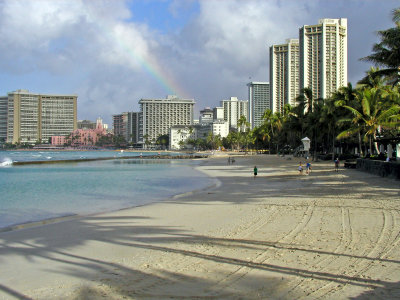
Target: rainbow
{"type": "Point", "coordinates": [149, 64]}
{"type": "Point", "coordinates": [154, 69]}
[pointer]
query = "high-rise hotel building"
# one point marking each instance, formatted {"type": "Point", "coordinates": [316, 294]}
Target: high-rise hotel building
{"type": "Point", "coordinates": [35, 117]}
{"type": "Point", "coordinates": [259, 101]}
{"type": "Point", "coordinates": [128, 125]}
{"type": "Point", "coordinates": [159, 115]}
{"type": "Point", "coordinates": [284, 74]}
{"type": "Point", "coordinates": [234, 109]}
{"type": "Point", "coordinates": [323, 56]}
{"type": "Point", "coordinates": [3, 118]}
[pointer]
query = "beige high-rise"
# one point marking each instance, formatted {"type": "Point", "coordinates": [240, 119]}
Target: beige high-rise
{"type": "Point", "coordinates": [3, 118]}
{"type": "Point", "coordinates": [323, 56]}
{"type": "Point", "coordinates": [284, 74]}
{"type": "Point", "coordinates": [159, 115]}
{"type": "Point", "coordinates": [35, 118]}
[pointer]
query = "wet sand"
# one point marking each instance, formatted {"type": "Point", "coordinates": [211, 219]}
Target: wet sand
{"type": "Point", "coordinates": [327, 235]}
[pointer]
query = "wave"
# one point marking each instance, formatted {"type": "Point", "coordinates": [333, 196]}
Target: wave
{"type": "Point", "coordinates": [6, 162]}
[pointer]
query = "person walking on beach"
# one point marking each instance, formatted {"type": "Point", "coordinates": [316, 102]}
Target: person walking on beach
{"type": "Point", "coordinates": [255, 171]}
{"type": "Point", "coordinates": [300, 169]}
{"type": "Point", "coordinates": [337, 164]}
{"type": "Point", "coordinates": [308, 168]}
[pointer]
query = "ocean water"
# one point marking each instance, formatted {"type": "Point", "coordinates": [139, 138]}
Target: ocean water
{"type": "Point", "coordinates": [7, 156]}
{"type": "Point", "coordinates": [31, 193]}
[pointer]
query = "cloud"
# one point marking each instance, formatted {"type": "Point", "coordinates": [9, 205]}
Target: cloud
{"type": "Point", "coordinates": [101, 51]}
{"type": "Point", "coordinates": [90, 40]}
{"type": "Point", "coordinates": [228, 43]}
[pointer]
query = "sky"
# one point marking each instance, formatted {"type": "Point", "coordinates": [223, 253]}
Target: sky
{"type": "Point", "coordinates": [112, 53]}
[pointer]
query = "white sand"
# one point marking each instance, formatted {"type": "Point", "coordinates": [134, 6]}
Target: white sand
{"type": "Point", "coordinates": [280, 236]}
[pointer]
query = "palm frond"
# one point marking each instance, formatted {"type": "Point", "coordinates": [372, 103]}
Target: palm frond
{"type": "Point", "coordinates": [348, 132]}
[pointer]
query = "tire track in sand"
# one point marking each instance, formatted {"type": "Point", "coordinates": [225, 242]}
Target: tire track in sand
{"type": "Point", "coordinates": [180, 265]}
{"type": "Point", "coordinates": [361, 265]}
{"type": "Point", "coordinates": [262, 258]}
{"type": "Point", "coordinates": [346, 239]}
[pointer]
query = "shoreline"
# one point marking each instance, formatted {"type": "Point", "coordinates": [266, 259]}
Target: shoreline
{"type": "Point", "coordinates": [280, 235]}
{"type": "Point", "coordinates": [68, 217]}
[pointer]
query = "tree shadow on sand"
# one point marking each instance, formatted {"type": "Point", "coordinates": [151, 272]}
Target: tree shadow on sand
{"type": "Point", "coordinates": [137, 275]}
{"type": "Point", "coordinates": [108, 278]}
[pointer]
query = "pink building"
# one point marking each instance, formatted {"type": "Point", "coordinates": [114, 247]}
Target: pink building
{"type": "Point", "coordinates": [88, 137]}
{"type": "Point", "coordinates": [82, 137]}
{"type": "Point", "coordinates": [58, 140]}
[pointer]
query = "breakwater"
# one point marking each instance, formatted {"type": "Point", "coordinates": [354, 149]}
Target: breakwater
{"type": "Point", "coordinates": [186, 156]}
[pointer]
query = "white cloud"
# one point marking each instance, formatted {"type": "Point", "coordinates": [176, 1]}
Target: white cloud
{"type": "Point", "coordinates": [32, 24]}
{"type": "Point", "coordinates": [96, 49]}
{"type": "Point", "coordinates": [227, 43]}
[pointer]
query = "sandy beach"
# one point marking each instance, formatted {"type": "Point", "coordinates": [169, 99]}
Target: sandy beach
{"type": "Point", "coordinates": [327, 235]}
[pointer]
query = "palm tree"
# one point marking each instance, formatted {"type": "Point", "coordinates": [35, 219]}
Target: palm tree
{"type": "Point", "coordinates": [308, 113]}
{"type": "Point", "coordinates": [372, 78]}
{"type": "Point", "coordinates": [267, 128]}
{"type": "Point", "coordinates": [313, 118]}
{"type": "Point", "coordinates": [181, 144]}
{"type": "Point", "coordinates": [346, 96]}
{"type": "Point", "coordinates": [146, 140]}
{"type": "Point", "coordinates": [373, 114]}
{"type": "Point", "coordinates": [298, 116]}
{"type": "Point", "coordinates": [214, 140]}
{"type": "Point", "coordinates": [242, 123]}
{"type": "Point", "coordinates": [329, 117]}
{"type": "Point", "coordinates": [387, 52]}
{"type": "Point", "coordinates": [233, 139]}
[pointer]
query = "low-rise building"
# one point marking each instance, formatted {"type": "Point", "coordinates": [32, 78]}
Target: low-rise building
{"type": "Point", "coordinates": [58, 140]}
{"type": "Point", "coordinates": [179, 136]}
{"type": "Point", "coordinates": [221, 128]}
{"type": "Point", "coordinates": [86, 124]}
{"type": "Point", "coordinates": [86, 137]}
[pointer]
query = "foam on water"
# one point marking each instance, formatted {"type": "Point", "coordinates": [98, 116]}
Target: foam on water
{"type": "Point", "coordinates": [6, 162]}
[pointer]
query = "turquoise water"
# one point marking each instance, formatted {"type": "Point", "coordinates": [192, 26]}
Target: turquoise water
{"type": "Point", "coordinates": [36, 192]}
{"type": "Point", "coordinates": [8, 156]}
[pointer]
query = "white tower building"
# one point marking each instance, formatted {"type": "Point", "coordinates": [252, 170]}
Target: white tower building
{"type": "Point", "coordinates": [259, 101]}
{"type": "Point", "coordinates": [323, 56]}
{"type": "Point", "coordinates": [159, 115]}
{"type": "Point", "coordinates": [284, 74]}
{"type": "Point", "coordinates": [234, 109]}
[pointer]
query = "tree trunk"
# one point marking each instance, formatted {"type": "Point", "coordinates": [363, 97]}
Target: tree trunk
{"type": "Point", "coordinates": [376, 145]}
{"type": "Point", "coordinates": [360, 144]}
{"type": "Point", "coordinates": [333, 146]}
{"type": "Point", "coordinates": [315, 145]}
{"type": "Point", "coordinates": [370, 145]}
